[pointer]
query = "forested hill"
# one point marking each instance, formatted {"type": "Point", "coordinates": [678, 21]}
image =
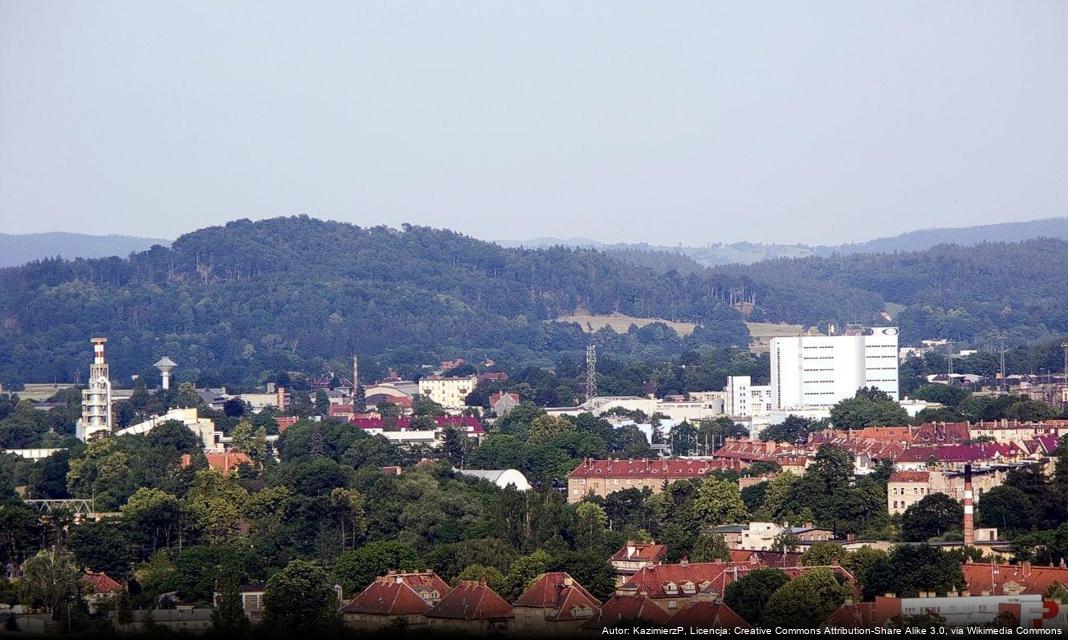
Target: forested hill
{"type": "Point", "coordinates": [247, 299]}
{"type": "Point", "coordinates": [964, 236]}
{"type": "Point", "coordinates": [1018, 291]}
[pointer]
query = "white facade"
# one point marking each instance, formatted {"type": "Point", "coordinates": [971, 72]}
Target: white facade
{"type": "Point", "coordinates": [743, 399]}
{"type": "Point", "coordinates": [96, 397]}
{"type": "Point", "coordinates": [820, 371]}
{"type": "Point", "coordinates": [450, 393]}
{"type": "Point", "coordinates": [204, 428]}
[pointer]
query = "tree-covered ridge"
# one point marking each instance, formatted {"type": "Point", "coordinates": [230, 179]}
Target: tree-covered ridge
{"type": "Point", "coordinates": [298, 293]}
{"type": "Point", "coordinates": [949, 291]}
{"type": "Point", "coordinates": [248, 298]}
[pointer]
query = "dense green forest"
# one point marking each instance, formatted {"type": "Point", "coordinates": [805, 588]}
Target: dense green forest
{"type": "Point", "coordinates": [248, 299]}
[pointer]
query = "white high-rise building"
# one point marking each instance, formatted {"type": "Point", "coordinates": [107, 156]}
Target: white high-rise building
{"type": "Point", "coordinates": [820, 371]}
{"type": "Point", "coordinates": [743, 399]}
{"type": "Point", "coordinates": [96, 397]}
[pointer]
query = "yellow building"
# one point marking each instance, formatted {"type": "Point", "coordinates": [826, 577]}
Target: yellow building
{"type": "Point", "coordinates": [450, 393]}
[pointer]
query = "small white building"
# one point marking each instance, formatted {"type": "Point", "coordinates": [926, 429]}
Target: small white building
{"type": "Point", "coordinates": [501, 477]}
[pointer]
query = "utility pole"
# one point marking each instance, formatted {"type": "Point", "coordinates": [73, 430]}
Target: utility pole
{"type": "Point", "coordinates": [591, 371]}
{"type": "Point", "coordinates": [1004, 381]}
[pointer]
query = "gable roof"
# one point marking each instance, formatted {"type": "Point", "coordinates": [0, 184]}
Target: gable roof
{"type": "Point", "coordinates": [388, 597]}
{"type": "Point", "coordinates": [859, 615]}
{"type": "Point", "coordinates": [707, 613]}
{"type": "Point", "coordinates": [640, 552]}
{"type": "Point", "coordinates": [994, 578]}
{"type": "Point", "coordinates": [471, 600]}
{"type": "Point", "coordinates": [101, 582]}
{"type": "Point", "coordinates": [626, 608]}
{"type": "Point", "coordinates": [559, 591]}
{"type": "Point", "coordinates": [960, 452]}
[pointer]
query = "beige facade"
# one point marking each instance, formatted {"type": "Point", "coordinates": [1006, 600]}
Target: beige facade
{"type": "Point", "coordinates": [450, 393]}
{"type": "Point", "coordinates": [905, 489]}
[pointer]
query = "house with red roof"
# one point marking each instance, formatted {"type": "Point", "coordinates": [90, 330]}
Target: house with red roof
{"type": "Point", "coordinates": [101, 589]}
{"type": "Point", "coordinates": [396, 598]}
{"type": "Point", "coordinates": [554, 604]}
{"type": "Point", "coordinates": [471, 607]}
{"type": "Point", "coordinates": [955, 456]}
{"type": "Point", "coordinates": [627, 611]}
{"type": "Point", "coordinates": [602, 477]}
{"type": "Point", "coordinates": [635, 556]}
{"type": "Point", "coordinates": [707, 613]}
{"type": "Point", "coordinates": [991, 578]}
{"type": "Point", "coordinates": [673, 585]}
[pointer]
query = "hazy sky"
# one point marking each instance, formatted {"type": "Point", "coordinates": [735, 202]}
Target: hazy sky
{"type": "Point", "coordinates": [666, 122]}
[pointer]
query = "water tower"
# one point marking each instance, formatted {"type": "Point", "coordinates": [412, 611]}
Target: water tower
{"type": "Point", "coordinates": [165, 366]}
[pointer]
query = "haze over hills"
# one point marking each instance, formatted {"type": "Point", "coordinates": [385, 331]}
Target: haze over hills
{"type": "Point", "coordinates": [749, 252]}
{"type": "Point", "coordinates": [16, 249]}
{"type": "Point", "coordinates": [250, 298]}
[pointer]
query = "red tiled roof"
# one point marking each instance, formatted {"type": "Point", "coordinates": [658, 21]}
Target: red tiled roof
{"type": "Point", "coordinates": [707, 613]}
{"type": "Point", "coordinates": [628, 608]}
{"type": "Point", "coordinates": [992, 577]}
{"type": "Point", "coordinates": [471, 600]}
{"type": "Point", "coordinates": [642, 551]}
{"type": "Point", "coordinates": [960, 452]}
{"type": "Point", "coordinates": [647, 468]}
{"type": "Point", "coordinates": [387, 596]}
{"type": "Point", "coordinates": [285, 422]}
{"type": "Point", "coordinates": [942, 432]}
{"type": "Point", "coordinates": [859, 615]}
{"type": "Point", "coordinates": [775, 559]}
{"type": "Point", "coordinates": [559, 591]}
{"type": "Point", "coordinates": [101, 582]}
{"type": "Point", "coordinates": [910, 476]}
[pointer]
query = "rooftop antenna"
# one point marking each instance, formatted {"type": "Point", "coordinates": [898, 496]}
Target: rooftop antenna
{"type": "Point", "coordinates": [591, 372]}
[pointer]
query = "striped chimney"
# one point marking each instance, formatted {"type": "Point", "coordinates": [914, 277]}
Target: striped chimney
{"type": "Point", "coordinates": [969, 509]}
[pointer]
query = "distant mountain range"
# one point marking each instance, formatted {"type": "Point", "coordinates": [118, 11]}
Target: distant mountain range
{"type": "Point", "coordinates": [17, 249]}
{"type": "Point", "coordinates": [749, 252]}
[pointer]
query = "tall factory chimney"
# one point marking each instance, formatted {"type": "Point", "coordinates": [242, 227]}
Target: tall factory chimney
{"type": "Point", "coordinates": [96, 397]}
{"type": "Point", "coordinates": [165, 366]}
{"type": "Point", "coordinates": [969, 509]}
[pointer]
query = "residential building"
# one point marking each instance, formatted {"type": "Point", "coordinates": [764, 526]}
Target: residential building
{"type": "Point", "coordinates": [761, 536]}
{"type": "Point", "coordinates": [555, 604]}
{"type": "Point", "coordinates": [820, 371]}
{"type": "Point", "coordinates": [398, 598]}
{"type": "Point", "coordinates": [191, 620]}
{"type": "Point", "coordinates": [204, 428]}
{"type": "Point", "coordinates": [251, 600]}
{"type": "Point", "coordinates": [502, 402]}
{"type": "Point", "coordinates": [471, 607]}
{"type": "Point", "coordinates": [602, 477]}
{"type": "Point", "coordinates": [635, 556]}
{"type": "Point", "coordinates": [450, 393]}
{"type": "Point", "coordinates": [626, 610]}
{"type": "Point", "coordinates": [955, 456]}
{"type": "Point", "coordinates": [707, 612]}
{"type": "Point", "coordinates": [992, 578]}
{"type": "Point", "coordinates": [1026, 611]}
{"type": "Point", "coordinates": [743, 399]}
{"type": "Point", "coordinates": [906, 488]}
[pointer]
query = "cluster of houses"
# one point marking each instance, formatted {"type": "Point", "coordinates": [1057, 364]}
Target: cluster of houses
{"type": "Point", "coordinates": [927, 459]}
{"type": "Point", "coordinates": [650, 592]}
